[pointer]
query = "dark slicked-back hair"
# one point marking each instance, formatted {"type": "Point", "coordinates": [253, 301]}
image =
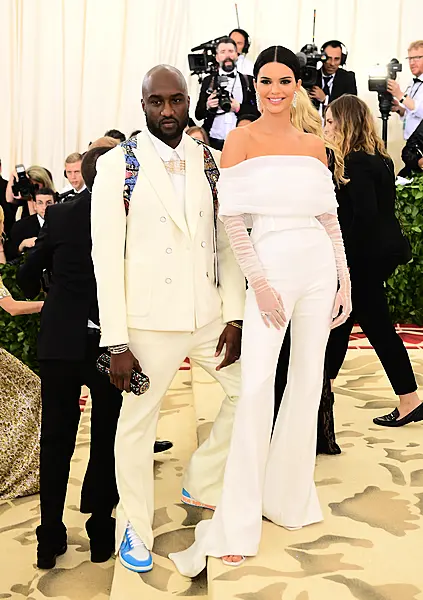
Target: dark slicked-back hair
{"type": "Point", "coordinates": [281, 55]}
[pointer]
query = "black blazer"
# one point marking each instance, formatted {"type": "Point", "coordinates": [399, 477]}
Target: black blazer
{"type": "Point", "coordinates": [25, 228]}
{"type": "Point", "coordinates": [64, 248]}
{"type": "Point", "coordinates": [248, 105]}
{"type": "Point", "coordinates": [343, 83]}
{"type": "Point", "coordinates": [366, 210]}
{"type": "Point", "coordinates": [413, 152]}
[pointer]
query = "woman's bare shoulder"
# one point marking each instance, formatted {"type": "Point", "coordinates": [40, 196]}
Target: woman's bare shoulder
{"type": "Point", "coordinates": [315, 147]}
{"type": "Point", "coordinates": [235, 148]}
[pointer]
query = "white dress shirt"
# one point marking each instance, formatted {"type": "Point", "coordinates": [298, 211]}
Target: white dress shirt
{"type": "Point", "coordinates": [167, 154]}
{"type": "Point", "coordinates": [412, 118]}
{"type": "Point", "coordinates": [224, 122]}
{"type": "Point", "coordinates": [244, 65]}
{"type": "Point", "coordinates": [40, 220]}
{"type": "Point", "coordinates": [323, 105]}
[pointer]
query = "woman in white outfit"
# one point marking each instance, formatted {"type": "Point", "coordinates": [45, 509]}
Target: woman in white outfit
{"type": "Point", "coordinates": [294, 262]}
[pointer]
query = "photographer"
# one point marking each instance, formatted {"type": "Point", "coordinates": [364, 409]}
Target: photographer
{"type": "Point", "coordinates": [21, 187]}
{"type": "Point", "coordinates": [409, 104]}
{"type": "Point", "coordinates": [224, 94]}
{"type": "Point", "coordinates": [333, 81]}
{"type": "Point", "coordinates": [25, 231]}
{"type": "Point", "coordinates": [243, 43]}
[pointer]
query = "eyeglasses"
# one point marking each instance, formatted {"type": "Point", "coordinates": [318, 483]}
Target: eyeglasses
{"type": "Point", "coordinates": [411, 58]}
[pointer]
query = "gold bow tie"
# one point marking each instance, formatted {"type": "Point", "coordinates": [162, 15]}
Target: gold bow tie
{"type": "Point", "coordinates": [176, 167]}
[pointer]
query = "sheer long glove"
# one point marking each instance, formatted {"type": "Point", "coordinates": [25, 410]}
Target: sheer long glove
{"type": "Point", "coordinates": [271, 307]}
{"type": "Point", "coordinates": [343, 297]}
{"type": "Point", "coordinates": [268, 300]}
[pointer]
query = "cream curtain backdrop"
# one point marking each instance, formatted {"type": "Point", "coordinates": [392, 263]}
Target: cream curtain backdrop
{"type": "Point", "coordinates": [71, 69]}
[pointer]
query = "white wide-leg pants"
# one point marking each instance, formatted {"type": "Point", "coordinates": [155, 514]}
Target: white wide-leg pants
{"type": "Point", "coordinates": [160, 354]}
{"type": "Point", "coordinates": [275, 478]}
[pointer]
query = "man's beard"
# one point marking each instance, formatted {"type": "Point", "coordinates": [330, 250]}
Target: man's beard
{"type": "Point", "coordinates": [167, 136]}
{"type": "Point", "coordinates": [226, 67]}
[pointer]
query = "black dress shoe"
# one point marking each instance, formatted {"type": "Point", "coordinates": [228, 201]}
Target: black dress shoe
{"type": "Point", "coordinates": [161, 446]}
{"type": "Point", "coordinates": [101, 531]}
{"type": "Point", "coordinates": [52, 543]}
{"type": "Point", "coordinates": [392, 420]}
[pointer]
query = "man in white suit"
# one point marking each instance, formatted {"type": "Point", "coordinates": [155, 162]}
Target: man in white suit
{"type": "Point", "coordinates": [168, 287]}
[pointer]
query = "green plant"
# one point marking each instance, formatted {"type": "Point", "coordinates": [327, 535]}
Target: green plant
{"type": "Point", "coordinates": [405, 287]}
{"type": "Point", "coordinates": [18, 335]}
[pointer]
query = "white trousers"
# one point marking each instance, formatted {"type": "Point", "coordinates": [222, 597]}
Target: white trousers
{"type": "Point", "coordinates": [160, 355]}
{"type": "Point", "coordinates": [274, 477]}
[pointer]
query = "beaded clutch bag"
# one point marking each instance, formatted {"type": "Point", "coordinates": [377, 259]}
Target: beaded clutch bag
{"type": "Point", "coordinates": [140, 383]}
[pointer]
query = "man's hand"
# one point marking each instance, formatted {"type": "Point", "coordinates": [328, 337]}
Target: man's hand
{"type": "Point", "coordinates": [28, 243]}
{"type": "Point", "coordinates": [235, 105]}
{"type": "Point", "coordinates": [396, 107]}
{"type": "Point", "coordinates": [317, 93]}
{"type": "Point", "coordinates": [420, 163]}
{"type": "Point", "coordinates": [231, 337]}
{"type": "Point", "coordinates": [212, 101]}
{"type": "Point", "coordinates": [121, 366]}
{"type": "Point", "coordinates": [394, 89]}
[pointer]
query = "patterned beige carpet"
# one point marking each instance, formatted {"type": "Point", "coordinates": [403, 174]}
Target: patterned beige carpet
{"type": "Point", "coordinates": [369, 546]}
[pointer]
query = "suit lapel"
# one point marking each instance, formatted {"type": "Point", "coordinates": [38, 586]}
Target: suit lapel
{"type": "Point", "coordinates": [194, 182]}
{"type": "Point", "coordinates": [337, 81]}
{"type": "Point", "coordinates": [153, 168]}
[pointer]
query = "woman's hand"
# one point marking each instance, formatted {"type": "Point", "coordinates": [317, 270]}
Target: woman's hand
{"type": "Point", "coordinates": [342, 299]}
{"type": "Point", "coordinates": [271, 307]}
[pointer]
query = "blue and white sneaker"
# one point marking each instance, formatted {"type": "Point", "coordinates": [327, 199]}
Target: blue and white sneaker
{"type": "Point", "coordinates": [188, 499]}
{"type": "Point", "coordinates": [133, 554]}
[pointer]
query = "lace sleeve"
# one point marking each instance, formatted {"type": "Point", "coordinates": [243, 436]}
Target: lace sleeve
{"type": "Point", "coordinates": [244, 252]}
{"type": "Point", "coordinates": [4, 292]}
{"type": "Point", "coordinates": [331, 224]}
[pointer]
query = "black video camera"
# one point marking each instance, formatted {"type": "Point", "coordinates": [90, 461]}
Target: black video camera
{"type": "Point", "coordinates": [378, 81]}
{"type": "Point", "coordinates": [23, 185]}
{"type": "Point", "coordinates": [204, 63]}
{"type": "Point", "coordinates": [310, 57]}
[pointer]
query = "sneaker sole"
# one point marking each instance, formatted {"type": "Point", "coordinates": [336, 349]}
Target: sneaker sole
{"type": "Point", "coordinates": [196, 504]}
{"type": "Point", "coordinates": [130, 567]}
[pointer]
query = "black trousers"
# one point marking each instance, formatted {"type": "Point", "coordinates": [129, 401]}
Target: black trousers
{"type": "Point", "coordinates": [216, 143]}
{"type": "Point", "coordinates": [61, 382]}
{"type": "Point", "coordinates": [371, 311]}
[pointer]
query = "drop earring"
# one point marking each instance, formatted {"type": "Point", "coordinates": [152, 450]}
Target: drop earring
{"type": "Point", "coordinates": [258, 101]}
{"type": "Point", "coordinates": [294, 101]}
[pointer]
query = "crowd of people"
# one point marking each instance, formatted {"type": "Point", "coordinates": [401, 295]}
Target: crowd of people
{"type": "Point", "coordinates": [221, 258]}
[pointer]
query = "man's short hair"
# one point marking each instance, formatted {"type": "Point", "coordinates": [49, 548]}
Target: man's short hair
{"type": "Point", "coordinates": [226, 40]}
{"type": "Point", "coordinates": [73, 158]}
{"type": "Point", "coordinates": [45, 191]}
{"type": "Point", "coordinates": [415, 45]}
{"type": "Point", "coordinates": [88, 167]}
{"type": "Point", "coordinates": [246, 117]}
{"type": "Point", "coordinates": [116, 134]}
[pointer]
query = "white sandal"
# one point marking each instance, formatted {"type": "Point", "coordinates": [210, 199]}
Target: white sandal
{"type": "Point", "coordinates": [233, 564]}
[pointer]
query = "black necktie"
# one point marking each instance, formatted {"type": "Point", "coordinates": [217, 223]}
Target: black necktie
{"type": "Point", "coordinates": [326, 89]}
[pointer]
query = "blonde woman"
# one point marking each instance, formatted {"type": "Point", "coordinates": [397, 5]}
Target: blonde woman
{"type": "Point", "coordinates": [305, 117]}
{"type": "Point", "coordinates": [374, 247]}
{"type": "Point", "coordinates": [20, 410]}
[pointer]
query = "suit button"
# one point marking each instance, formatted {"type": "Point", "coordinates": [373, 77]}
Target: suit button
{"type": "Point", "coordinates": [201, 213]}
{"type": "Point", "coordinates": [163, 219]}
{"type": "Point", "coordinates": [203, 244]}
{"type": "Point", "coordinates": [168, 250]}
{"type": "Point", "coordinates": [168, 280]}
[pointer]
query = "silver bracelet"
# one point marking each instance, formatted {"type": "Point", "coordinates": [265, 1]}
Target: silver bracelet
{"type": "Point", "coordinates": [120, 349]}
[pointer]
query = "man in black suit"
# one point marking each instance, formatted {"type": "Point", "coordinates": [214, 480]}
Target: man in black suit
{"type": "Point", "coordinates": [332, 80]}
{"type": "Point", "coordinates": [68, 348]}
{"type": "Point", "coordinates": [25, 231]}
{"type": "Point", "coordinates": [240, 87]}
